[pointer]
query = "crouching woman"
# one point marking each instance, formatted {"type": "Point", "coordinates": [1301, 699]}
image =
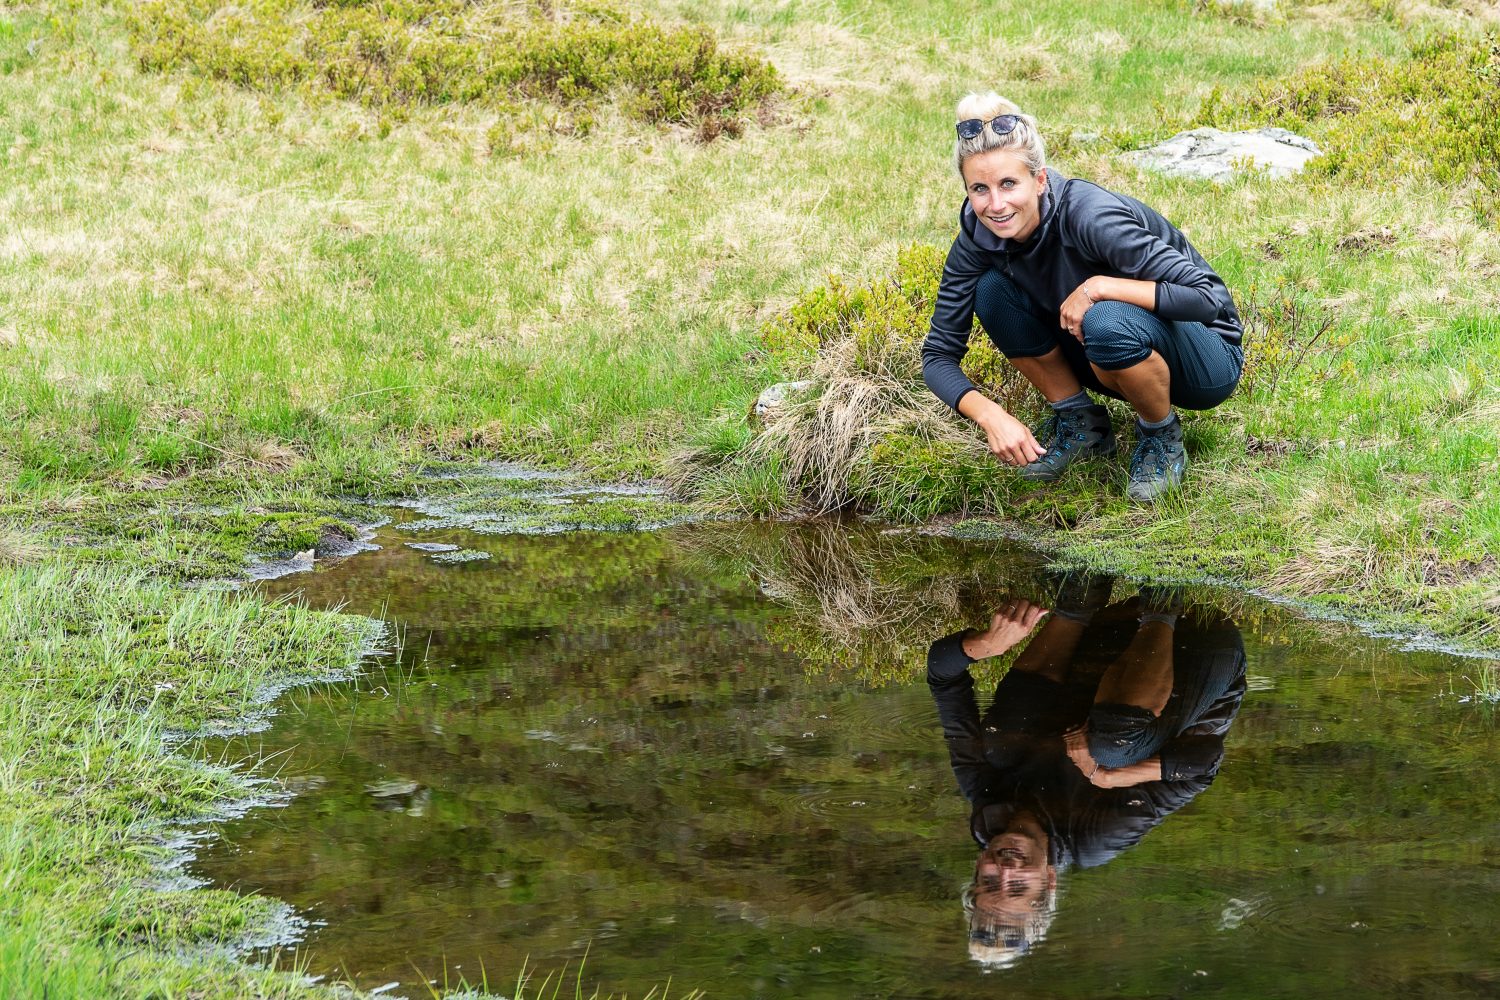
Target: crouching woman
{"type": "Point", "coordinates": [1084, 291]}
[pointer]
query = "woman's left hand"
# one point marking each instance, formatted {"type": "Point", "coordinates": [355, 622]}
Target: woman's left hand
{"type": "Point", "coordinates": [1007, 628]}
{"type": "Point", "coordinates": [1073, 308]}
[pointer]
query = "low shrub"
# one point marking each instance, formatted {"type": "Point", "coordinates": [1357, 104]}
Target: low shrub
{"type": "Point", "coordinates": [394, 54]}
{"type": "Point", "coordinates": [1436, 112]}
{"type": "Point", "coordinates": [1284, 331]}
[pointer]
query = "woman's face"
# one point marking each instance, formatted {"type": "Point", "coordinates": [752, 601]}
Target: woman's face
{"type": "Point", "coordinates": [1005, 195]}
{"type": "Point", "coordinates": [1012, 874]}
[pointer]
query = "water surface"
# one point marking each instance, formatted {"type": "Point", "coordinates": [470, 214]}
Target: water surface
{"type": "Point", "coordinates": [710, 753]}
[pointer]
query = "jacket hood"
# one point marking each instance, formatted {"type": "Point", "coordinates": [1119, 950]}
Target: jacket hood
{"type": "Point", "coordinates": [988, 820]}
{"type": "Point", "coordinates": [990, 243]}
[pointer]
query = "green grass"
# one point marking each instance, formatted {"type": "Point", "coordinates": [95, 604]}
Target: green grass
{"type": "Point", "coordinates": [99, 668]}
{"type": "Point", "coordinates": [223, 310]}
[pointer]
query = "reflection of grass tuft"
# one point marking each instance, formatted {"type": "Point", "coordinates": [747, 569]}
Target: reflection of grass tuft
{"type": "Point", "coordinates": [869, 602]}
{"type": "Point", "coordinates": [551, 987]}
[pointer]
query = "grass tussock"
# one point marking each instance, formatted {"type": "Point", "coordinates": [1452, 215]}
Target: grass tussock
{"type": "Point", "coordinates": [394, 54]}
{"type": "Point", "coordinates": [865, 433]}
{"type": "Point", "coordinates": [18, 548]}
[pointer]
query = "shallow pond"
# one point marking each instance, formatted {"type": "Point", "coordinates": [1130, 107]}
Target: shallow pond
{"type": "Point", "coordinates": [710, 753]}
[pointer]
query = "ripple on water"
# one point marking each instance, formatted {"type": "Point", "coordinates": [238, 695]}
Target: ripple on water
{"type": "Point", "coordinates": [851, 801]}
{"type": "Point", "coordinates": [907, 723]}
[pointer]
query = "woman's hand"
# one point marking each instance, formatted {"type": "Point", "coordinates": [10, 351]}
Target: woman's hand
{"type": "Point", "coordinates": [1076, 741]}
{"type": "Point", "coordinates": [1010, 625]}
{"type": "Point", "coordinates": [1010, 440]}
{"type": "Point", "coordinates": [1075, 305]}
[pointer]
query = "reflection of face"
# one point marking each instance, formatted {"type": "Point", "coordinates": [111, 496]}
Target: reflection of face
{"type": "Point", "coordinates": [1012, 893]}
{"type": "Point", "coordinates": [1004, 194]}
{"type": "Point", "coordinates": [1012, 877]}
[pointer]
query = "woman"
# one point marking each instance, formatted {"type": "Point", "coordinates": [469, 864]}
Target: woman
{"type": "Point", "coordinates": [1083, 290]}
{"type": "Point", "coordinates": [1111, 719]}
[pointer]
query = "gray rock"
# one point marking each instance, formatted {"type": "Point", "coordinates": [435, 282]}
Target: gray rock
{"type": "Point", "coordinates": [1218, 155]}
{"type": "Point", "coordinates": [773, 398]}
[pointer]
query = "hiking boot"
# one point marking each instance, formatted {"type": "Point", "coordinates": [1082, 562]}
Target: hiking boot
{"type": "Point", "coordinates": [1158, 463]}
{"type": "Point", "coordinates": [1070, 435]}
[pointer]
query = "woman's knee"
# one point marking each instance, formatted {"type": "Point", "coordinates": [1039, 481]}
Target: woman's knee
{"type": "Point", "coordinates": [1005, 312]}
{"type": "Point", "coordinates": [1117, 335]}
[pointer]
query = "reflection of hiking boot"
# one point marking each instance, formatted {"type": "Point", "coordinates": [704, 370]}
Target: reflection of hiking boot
{"type": "Point", "coordinates": [1082, 595]}
{"type": "Point", "coordinates": [1158, 463]}
{"type": "Point", "coordinates": [1070, 435]}
{"type": "Point", "coordinates": [1164, 600]}
{"type": "Point", "coordinates": [1160, 604]}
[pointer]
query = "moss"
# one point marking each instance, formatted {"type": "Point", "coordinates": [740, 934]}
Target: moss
{"type": "Point", "coordinates": [461, 556]}
{"type": "Point", "coordinates": [392, 55]}
{"type": "Point", "coordinates": [508, 513]}
{"type": "Point", "coordinates": [914, 477]}
{"type": "Point", "coordinates": [175, 536]}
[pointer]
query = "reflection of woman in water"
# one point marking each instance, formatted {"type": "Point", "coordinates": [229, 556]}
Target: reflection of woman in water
{"type": "Point", "coordinates": [1111, 719]}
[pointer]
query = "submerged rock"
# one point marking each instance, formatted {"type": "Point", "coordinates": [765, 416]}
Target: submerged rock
{"type": "Point", "coordinates": [461, 556]}
{"type": "Point", "coordinates": [1218, 155]}
{"type": "Point", "coordinates": [400, 796]}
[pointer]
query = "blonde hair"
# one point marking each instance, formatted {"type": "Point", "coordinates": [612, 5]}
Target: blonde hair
{"type": "Point", "coordinates": [998, 942]}
{"type": "Point", "coordinates": [1025, 138]}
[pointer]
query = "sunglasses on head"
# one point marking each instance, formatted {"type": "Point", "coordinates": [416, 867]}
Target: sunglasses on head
{"type": "Point", "coordinates": [970, 128]}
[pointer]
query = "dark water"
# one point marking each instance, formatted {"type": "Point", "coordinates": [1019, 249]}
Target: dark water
{"type": "Point", "coordinates": [710, 753]}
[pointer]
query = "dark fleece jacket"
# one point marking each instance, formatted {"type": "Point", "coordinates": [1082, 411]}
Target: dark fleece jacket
{"type": "Point", "coordinates": [1084, 231]}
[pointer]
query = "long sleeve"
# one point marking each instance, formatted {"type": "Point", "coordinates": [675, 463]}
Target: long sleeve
{"type": "Point", "coordinates": [952, 689]}
{"type": "Point", "coordinates": [1191, 756]}
{"type": "Point", "coordinates": [952, 320]}
{"type": "Point", "coordinates": [1184, 289]}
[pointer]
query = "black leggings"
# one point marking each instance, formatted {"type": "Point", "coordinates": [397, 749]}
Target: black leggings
{"type": "Point", "coordinates": [1204, 366]}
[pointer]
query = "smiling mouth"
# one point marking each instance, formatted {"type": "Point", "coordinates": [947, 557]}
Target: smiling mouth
{"type": "Point", "coordinates": [1001, 220]}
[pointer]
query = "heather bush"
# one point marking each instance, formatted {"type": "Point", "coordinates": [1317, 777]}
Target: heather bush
{"type": "Point", "coordinates": [395, 54]}
{"type": "Point", "coordinates": [1436, 112]}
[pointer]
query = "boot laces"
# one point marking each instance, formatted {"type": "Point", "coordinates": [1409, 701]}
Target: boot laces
{"type": "Point", "coordinates": [1152, 449]}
